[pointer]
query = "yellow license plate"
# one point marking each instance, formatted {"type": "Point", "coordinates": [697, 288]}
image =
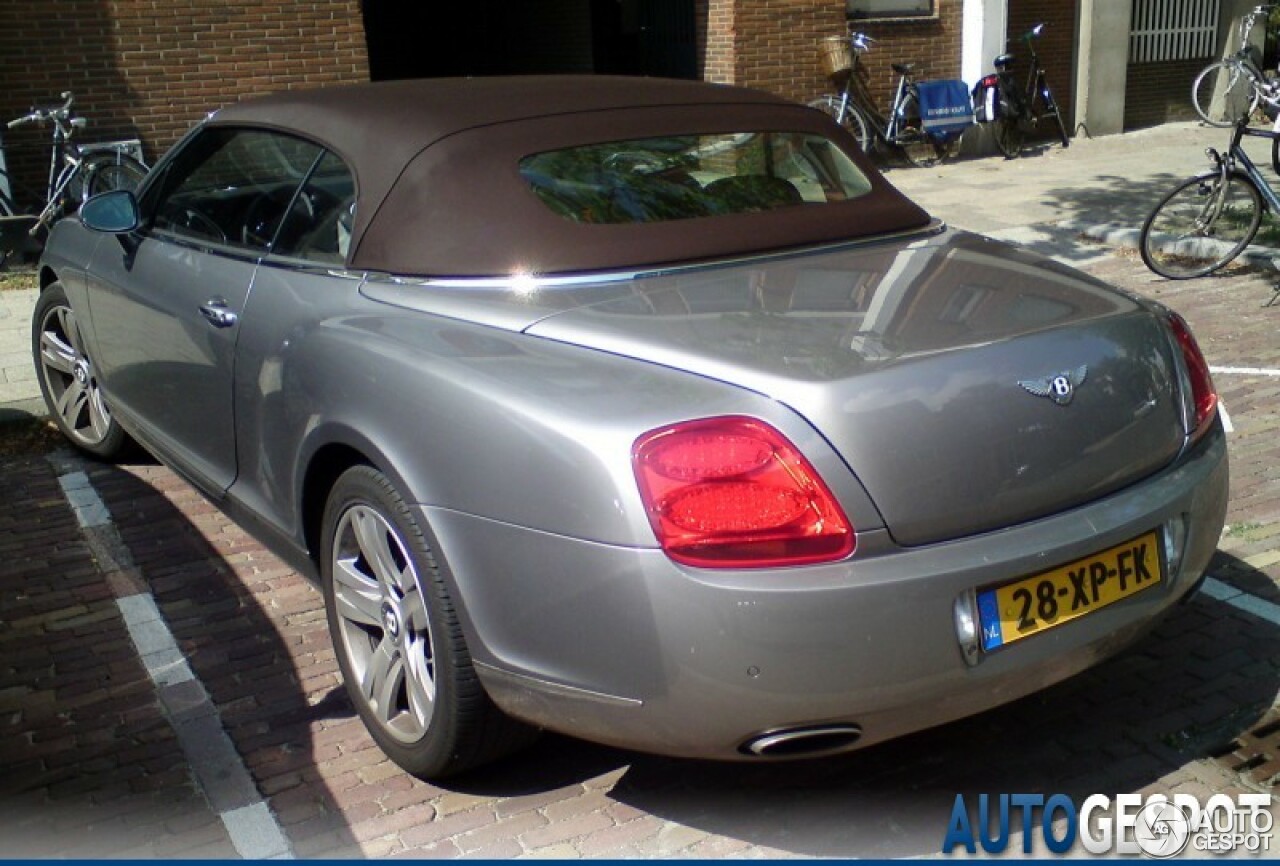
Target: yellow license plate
{"type": "Point", "coordinates": [1029, 606]}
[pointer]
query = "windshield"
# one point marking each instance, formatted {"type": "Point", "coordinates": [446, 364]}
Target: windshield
{"type": "Point", "coordinates": [686, 176]}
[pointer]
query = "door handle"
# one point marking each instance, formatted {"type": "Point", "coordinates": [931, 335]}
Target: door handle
{"type": "Point", "coordinates": [215, 310]}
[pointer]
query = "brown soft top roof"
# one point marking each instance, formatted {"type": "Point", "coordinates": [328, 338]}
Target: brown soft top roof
{"type": "Point", "coordinates": [436, 168]}
{"type": "Point", "coordinates": [393, 120]}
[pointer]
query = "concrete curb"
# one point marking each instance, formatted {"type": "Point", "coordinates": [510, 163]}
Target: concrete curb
{"type": "Point", "coordinates": [1127, 237]}
{"type": "Point", "coordinates": [22, 411]}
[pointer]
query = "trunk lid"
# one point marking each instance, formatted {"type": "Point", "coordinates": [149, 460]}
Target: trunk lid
{"type": "Point", "coordinates": [968, 385]}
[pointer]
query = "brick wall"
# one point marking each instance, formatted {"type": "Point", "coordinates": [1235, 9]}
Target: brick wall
{"type": "Point", "coordinates": [716, 55]}
{"type": "Point", "coordinates": [773, 45]}
{"type": "Point", "coordinates": [1160, 92]}
{"type": "Point", "coordinates": [932, 44]}
{"type": "Point", "coordinates": [777, 44]}
{"type": "Point", "coordinates": [148, 70]}
{"type": "Point", "coordinates": [1056, 47]}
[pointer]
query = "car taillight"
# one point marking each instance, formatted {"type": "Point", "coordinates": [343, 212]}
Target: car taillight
{"type": "Point", "coordinates": [1204, 399]}
{"type": "Point", "coordinates": [733, 492]}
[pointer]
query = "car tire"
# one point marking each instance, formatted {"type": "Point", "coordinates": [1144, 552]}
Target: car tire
{"type": "Point", "coordinates": [397, 637]}
{"type": "Point", "coordinates": [68, 381]}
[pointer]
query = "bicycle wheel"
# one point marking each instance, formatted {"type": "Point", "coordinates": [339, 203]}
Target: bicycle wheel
{"type": "Point", "coordinates": [104, 172]}
{"type": "Point", "coordinates": [1201, 225]}
{"type": "Point", "coordinates": [948, 147]}
{"type": "Point", "coordinates": [852, 120]}
{"type": "Point", "coordinates": [1009, 135]}
{"type": "Point", "coordinates": [1223, 93]}
{"type": "Point", "coordinates": [920, 149]}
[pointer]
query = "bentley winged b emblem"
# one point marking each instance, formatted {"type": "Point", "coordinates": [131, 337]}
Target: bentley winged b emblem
{"type": "Point", "coordinates": [1059, 388]}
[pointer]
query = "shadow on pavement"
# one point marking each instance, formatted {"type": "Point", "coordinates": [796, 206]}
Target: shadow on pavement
{"type": "Point", "coordinates": [99, 732]}
{"type": "Point", "coordinates": [255, 635]}
{"type": "Point", "coordinates": [89, 765]}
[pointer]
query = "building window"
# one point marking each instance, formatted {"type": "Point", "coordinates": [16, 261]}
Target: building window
{"type": "Point", "coordinates": [890, 8]}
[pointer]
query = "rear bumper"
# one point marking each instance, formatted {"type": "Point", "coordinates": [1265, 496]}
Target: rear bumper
{"type": "Point", "coordinates": [622, 646]}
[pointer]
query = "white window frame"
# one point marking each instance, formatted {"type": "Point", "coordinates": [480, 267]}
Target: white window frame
{"type": "Point", "coordinates": [862, 10]}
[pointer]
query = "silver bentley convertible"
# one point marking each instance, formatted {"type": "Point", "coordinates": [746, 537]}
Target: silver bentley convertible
{"type": "Point", "coordinates": [644, 411]}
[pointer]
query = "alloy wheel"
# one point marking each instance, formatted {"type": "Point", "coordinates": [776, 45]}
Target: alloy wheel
{"type": "Point", "coordinates": [383, 623]}
{"type": "Point", "coordinates": [69, 379]}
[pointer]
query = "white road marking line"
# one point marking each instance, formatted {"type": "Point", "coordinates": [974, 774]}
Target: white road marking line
{"type": "Point", "coordinates": [88, 508]}
{"type": "Point", "coordinates": [218, 769]}
{"type": "Point", "coordinates": [1226, 419]}
{"type": "Point", "coordinates": [1244, 371]}
{"type": "Point", "coordinates": [1241, 600]}
{"type": "Point", "coordinates": [255, 833]}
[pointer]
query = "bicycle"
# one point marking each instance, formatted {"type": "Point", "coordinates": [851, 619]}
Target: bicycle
{"type": "Point", "coordinates": [1234, 86]}
{"type": "Point", "coordinates": [854, 109]}
{"type": "Point", "coordinates": [1208, 220]}
{"type": "Point", "coordinates": [76, 173]}
{"type": "Point", "coordinates": [999, 100]}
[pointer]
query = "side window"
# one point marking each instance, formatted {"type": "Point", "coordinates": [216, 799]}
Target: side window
{"type": "Point", "coordinates": [318, 225]}
{"type": "Point", "coordinates": [232, 186]}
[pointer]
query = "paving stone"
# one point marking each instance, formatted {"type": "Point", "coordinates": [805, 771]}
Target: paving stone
{"type": "Point", "coordinates": [562, 851]}
{"type": "Point", "coordinates": [610, 840]}
{"type": "Point", "coordinates": [447, 804]}
{"type": "Point", "coordinates": [499, 831]}
{"type": "Point", "coordinates": [445, 827]}
{"type": "Point", "coordinates": [564, 830]}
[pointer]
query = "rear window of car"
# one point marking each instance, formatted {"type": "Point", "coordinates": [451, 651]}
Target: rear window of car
{"type": "Point", "coordinates": [679, 177]}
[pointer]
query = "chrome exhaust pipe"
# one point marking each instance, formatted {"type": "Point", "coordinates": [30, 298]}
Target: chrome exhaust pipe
{"type": "Point", "coordinates": [808, 742]}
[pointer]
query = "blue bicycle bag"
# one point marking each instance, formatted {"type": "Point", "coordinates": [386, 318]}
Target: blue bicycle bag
{"type": "Point", "coordinates": [945, 107]}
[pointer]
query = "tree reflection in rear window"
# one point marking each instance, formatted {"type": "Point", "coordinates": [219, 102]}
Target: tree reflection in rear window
{"type": "Point", "coordinates": [685, 176]}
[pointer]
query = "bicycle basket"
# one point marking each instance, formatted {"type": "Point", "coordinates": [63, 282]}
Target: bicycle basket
{"type": "Point", "coordinates": [836, 55]}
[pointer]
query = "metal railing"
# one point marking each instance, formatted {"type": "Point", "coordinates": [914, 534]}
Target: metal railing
{"type": "Point", "coordinates": [1173, 30]}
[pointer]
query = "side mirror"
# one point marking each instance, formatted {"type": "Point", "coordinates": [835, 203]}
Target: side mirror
{"type": "Point", "coordinates": [114, 212]}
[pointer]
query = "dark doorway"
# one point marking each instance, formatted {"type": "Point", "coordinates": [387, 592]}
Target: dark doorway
{"type": "Point", "coordinates": [516, 37]}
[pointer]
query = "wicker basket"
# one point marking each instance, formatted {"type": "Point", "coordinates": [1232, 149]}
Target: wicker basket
{"type": "Point", "coordinates": [835, 54]}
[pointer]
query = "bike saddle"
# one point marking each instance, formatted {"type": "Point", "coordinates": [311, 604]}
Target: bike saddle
{"type": "Point", "coordinates": [903, 68]}
{"type": "Point", "coordinates": [1003, 60]}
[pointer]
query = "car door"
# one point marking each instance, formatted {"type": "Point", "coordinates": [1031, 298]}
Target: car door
{"type": "Point", "coordinates": [166, 300]}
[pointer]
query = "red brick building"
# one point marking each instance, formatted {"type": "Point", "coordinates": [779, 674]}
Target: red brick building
{"type": "Point", "coordinates": [147, 70]}
{"type": "Point", "coordinates": [141, 69]}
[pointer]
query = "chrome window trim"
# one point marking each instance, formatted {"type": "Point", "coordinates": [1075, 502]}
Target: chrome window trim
{"type": "Point", "coordinates": [524, 282]}
{"type": "Point", "coordinates": [213, 248]}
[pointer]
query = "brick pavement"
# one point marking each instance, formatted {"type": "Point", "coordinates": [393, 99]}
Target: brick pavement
{"type": "Point", "coordinates": [87, 748]}
{"type": "Point", "coordinates": [90, 765]}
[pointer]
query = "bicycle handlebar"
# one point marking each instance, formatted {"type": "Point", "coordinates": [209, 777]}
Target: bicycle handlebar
{"type": "Point", "coordinates": [56, 113]}
{"type": "Point", "coordinates": [861, 41]}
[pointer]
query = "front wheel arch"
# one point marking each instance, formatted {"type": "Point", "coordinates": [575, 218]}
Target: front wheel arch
{"type": "Point", "coordinates": [47, 277]}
